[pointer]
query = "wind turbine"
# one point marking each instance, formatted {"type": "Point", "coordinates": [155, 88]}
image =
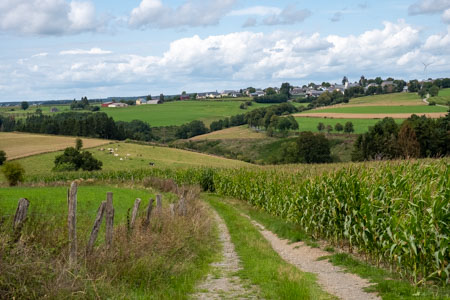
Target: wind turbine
{"type": "Point", "coordinates": [425, 66]}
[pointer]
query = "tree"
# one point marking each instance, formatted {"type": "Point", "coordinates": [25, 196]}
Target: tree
{"type": "Point", "coordinates": [434, 91]}
{"type": "Point", "coordinates": [78, 144]}
{"type": "Point", "coordinates": [161, 98]}
{"type": "Point", "coordinates": [362, 81]}
{"type": "Point", "coordinates": [407, 141]}
{"type": "Point", "coordinates": [251, 89]}
{"type": "Point", "coordinates": [422, 93]}
{"type": "Point", "coordinates": [285, 89]}
{"type": "Point", "coordinates": [24, 105]}
{"type": "Point", "coordinates": [338, 127]}
{"type": "Point", "coordinates": [39, 111]}
{"type": "Point", "coordinates": [329, 128]}
{"type": "Point", "coordinates": [183, 93]}
{"type": "Point", "coordinates": [348, 127]}
{"type": "Point", "coordinates": [378, 80]}
{"type": "Point", "coordinates": [73, 160]}
{"type": "Point", "coordinates": [2, 157]}
{"type": "Point", "coordinates": [320, 126]}
{"type": "Point", "coordinates": [270, 91]}
{"type": "Point", "coordinates": [313, 148]}
{"type": "Point", "coordinates": [13, 172]}
{"type": "Point", "coordinates": [149, 97]}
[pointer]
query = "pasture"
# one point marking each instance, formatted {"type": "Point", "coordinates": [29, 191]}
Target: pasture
{"type": "Point", "coordinates": [179, 112]}
{"type": "Point", "coordinates": [443, 98]}
{"type": "Point", "coordinates": [359, 125]}
{"type": "Point", "coordinates": [17, 145]}
{"type": "Point", "coordinates": [394, 99]}
{"type": "Point", "coordinates": [133, 156]}
{"type": "Point", "coordinates": [239, 132]}
{"type": "Point", "coordinates": [422, 109]}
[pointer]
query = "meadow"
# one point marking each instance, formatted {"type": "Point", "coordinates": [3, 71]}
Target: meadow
{"type": "Point", "coordinates": [132, 156]}
{"type": "Point", "coordinates": [179, 112]}
{"type": "Point", "coordinates": [359, 125]}
{"type": "Point", "coordinates": [387, 100]}
{"type": "Point", "coordinates": [238, 132]}
{"type": "Point", "coordinates": [443, 98]}
{"type": "Point", "coordinates": [381, 109]}
{"type": "Point", "coordinates": [17, 145]}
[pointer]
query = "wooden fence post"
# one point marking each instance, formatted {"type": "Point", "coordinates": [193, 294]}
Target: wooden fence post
{"type": "Point", "coordinates": [135, 212]}
{"type": "Point", "coordinates": [149, 213]}
{"type": "Point", "coordinates": [72, 223]}
{"type": "Point", "coordinates": [109, 219]}
{"type": "Point", "coordinates": [159, 204]}
{"type": "Point", "coordinates": [21, 213]}
{"type": "Point", "coordinates": [96, 227]}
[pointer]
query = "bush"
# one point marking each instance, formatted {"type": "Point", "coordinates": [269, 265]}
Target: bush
{"type": "Point", "coordinates": [13, 172]}
{"type": "Point", "coordinates": [73, 159]}
{"type": "Point", "coordinates": [2, 157]}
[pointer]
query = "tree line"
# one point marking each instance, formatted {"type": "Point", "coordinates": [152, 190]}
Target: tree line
{"type": "Point", "coordinates": [415, 137]}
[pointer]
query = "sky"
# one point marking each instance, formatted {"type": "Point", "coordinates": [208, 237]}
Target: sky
{"type": "Point", "coordinates": [63, 49]}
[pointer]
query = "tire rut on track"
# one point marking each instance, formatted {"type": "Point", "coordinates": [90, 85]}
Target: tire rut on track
{"type": "Point", "coordinates": [331, 278]}
{"type": "Point", "coordinates": [222, 283]}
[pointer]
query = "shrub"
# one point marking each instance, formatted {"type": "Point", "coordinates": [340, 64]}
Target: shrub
{"type": "Point", "coordinates": [13, 172]}
{"type": "Point", "coordinates": [2, 157]}
{"type": "Point", "coordinates": [73, 159]}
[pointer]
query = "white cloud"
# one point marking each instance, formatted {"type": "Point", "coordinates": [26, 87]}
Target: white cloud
{"type": "Point", "coordinates": [194, 13]}
{"type": "Point", "coordinates": [49, 17]}
{"type": "Point", "coordinates": [94, 51]}
{"type": "Point", "coordinates": [256, 11]}
{"type": "Point", "coordinates": [42, 54]}
{"type": "Point", "coordinates": [231, 61]}
{"type": "Point", "coordinates": [428, 7]}
{"type": "Point", "coordinates": [289, 15]}
{"type": "Point", "coordinates": [446, 16]}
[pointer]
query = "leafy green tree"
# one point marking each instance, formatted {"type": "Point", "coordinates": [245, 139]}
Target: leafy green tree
{"type": "Point", "coordinates": [348, 127]}
{"type": "Point", "coordinates": [13, 172]}
{"type": "Point", "coordinates": [313, 148]}
{"type": "Point", "coordinates": [320, 126]}
{"type": "Point", "coordinates": [434, 91]}
{"type": "Point", "coordinates": [161, 98]}
{"type": "Point", "coordinates": [329, 128]}
{"type": "Point", "coordinates": [39, 111]}
{"type": "Point", "coordinates": [270, 91]}
{"type": "Point", "coordinates": [378, 80]}
{"type": "Point", "coordinates": [2, 157]}
{"type": "Point", "coordinates": [338, 127]}
{"type": "Point", "coordinates": [251, 89]}
{"type": "Point", "coordinates": [149, 97]}
{"type": "Point", "coordinates": [24, 105]}
{"type": "Point", "coordinates": [78, 144]}
{"type": "Point", "coordinates": [285, 89]}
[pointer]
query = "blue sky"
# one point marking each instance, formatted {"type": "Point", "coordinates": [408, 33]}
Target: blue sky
{"type": "Point", "coordinates": [64, 49]}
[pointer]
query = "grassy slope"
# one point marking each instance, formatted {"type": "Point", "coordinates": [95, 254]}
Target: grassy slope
{"type": "Point", "coordinates": [23, 144]}
{"type": "Point", "coordinates": [262, 266]}
{"type": "Point", "coordinates": [388, 99]}
{"type": "Point", "coordinates": [179, 112]}
{"type": "Point", "coordinates": [239, 132]}
{"type": "Point", "coordinates": [140, 157]}
{"type": "Point", "coordinates": [380, 109]}
{"type": "Point", "coordinates": [360, 125]}
{"type": "Point", "coordinates": [157, 271]}
{"type": "Point", "coordinates": [443, 98]}
{"type": "Point", "coordinates": [387, 284]}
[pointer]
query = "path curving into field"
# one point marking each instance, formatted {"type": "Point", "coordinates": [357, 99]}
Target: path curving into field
{"type": "Point", "coordinates": [331, 278]}
{"type": "Point", "coordinates": [222, 283]}
{"type": "Point", "coordinates": [368, 116]}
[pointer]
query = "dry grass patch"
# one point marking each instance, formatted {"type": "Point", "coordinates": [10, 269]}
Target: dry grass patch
{"type": "Point", "coordinates": [17, 145]}
{"type": "Point", "coordinates": [239, 132]}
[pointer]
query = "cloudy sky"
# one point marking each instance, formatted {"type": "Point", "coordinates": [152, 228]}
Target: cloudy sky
{"type": "Point", "coordinates": [63, 49]}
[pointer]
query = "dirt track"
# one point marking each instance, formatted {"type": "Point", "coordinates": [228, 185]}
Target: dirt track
{"type": "Point", "coordinates": [367, 116]}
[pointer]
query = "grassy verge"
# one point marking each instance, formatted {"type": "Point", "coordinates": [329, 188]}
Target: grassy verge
{"type": "Point", "coordinates": [387, 284]}
{"type": "Point", "coordinates": [262, 266]}
{"type": "Point", "coordinates": [162, 261]}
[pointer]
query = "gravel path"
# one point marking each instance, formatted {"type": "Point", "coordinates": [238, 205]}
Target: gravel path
{"type": "Point", "coordinates": [222, 283]}
{"type": "Point", "coordinates": [331, 278]}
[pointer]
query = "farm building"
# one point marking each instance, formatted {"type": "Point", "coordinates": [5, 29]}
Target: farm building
{"type": "Point", "coordinates": [185, 97]}
{"type": "Point", "coordinates": [118, 105]}
{"type": "Point", "coordinates": [54, 109]}
{"type": "Point", "coordinates": [106, 104]}
{"type": "Point", "coordinates": [156, 101]}
{"type": "Point", "coordinates": [141, 101]}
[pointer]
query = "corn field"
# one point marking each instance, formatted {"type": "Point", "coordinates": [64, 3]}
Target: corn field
{"type": "Point", "coordinates": [397, 214]}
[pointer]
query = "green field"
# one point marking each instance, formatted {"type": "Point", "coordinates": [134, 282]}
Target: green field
{"type": "Point", "coordinates": [443, 98]}
{"type": "Point", "coordinates": [388, 99]}
{"type": "Point", "coordinates": [139, 158]}
{"type": "Point", "coordinates": [53, 200]}
{"type": "Point", "coordinates": [381, 109]}
{"type": "Point", "coordinates": [179, 112]}
{"type": "Point", "coordinates": [360, 125]}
